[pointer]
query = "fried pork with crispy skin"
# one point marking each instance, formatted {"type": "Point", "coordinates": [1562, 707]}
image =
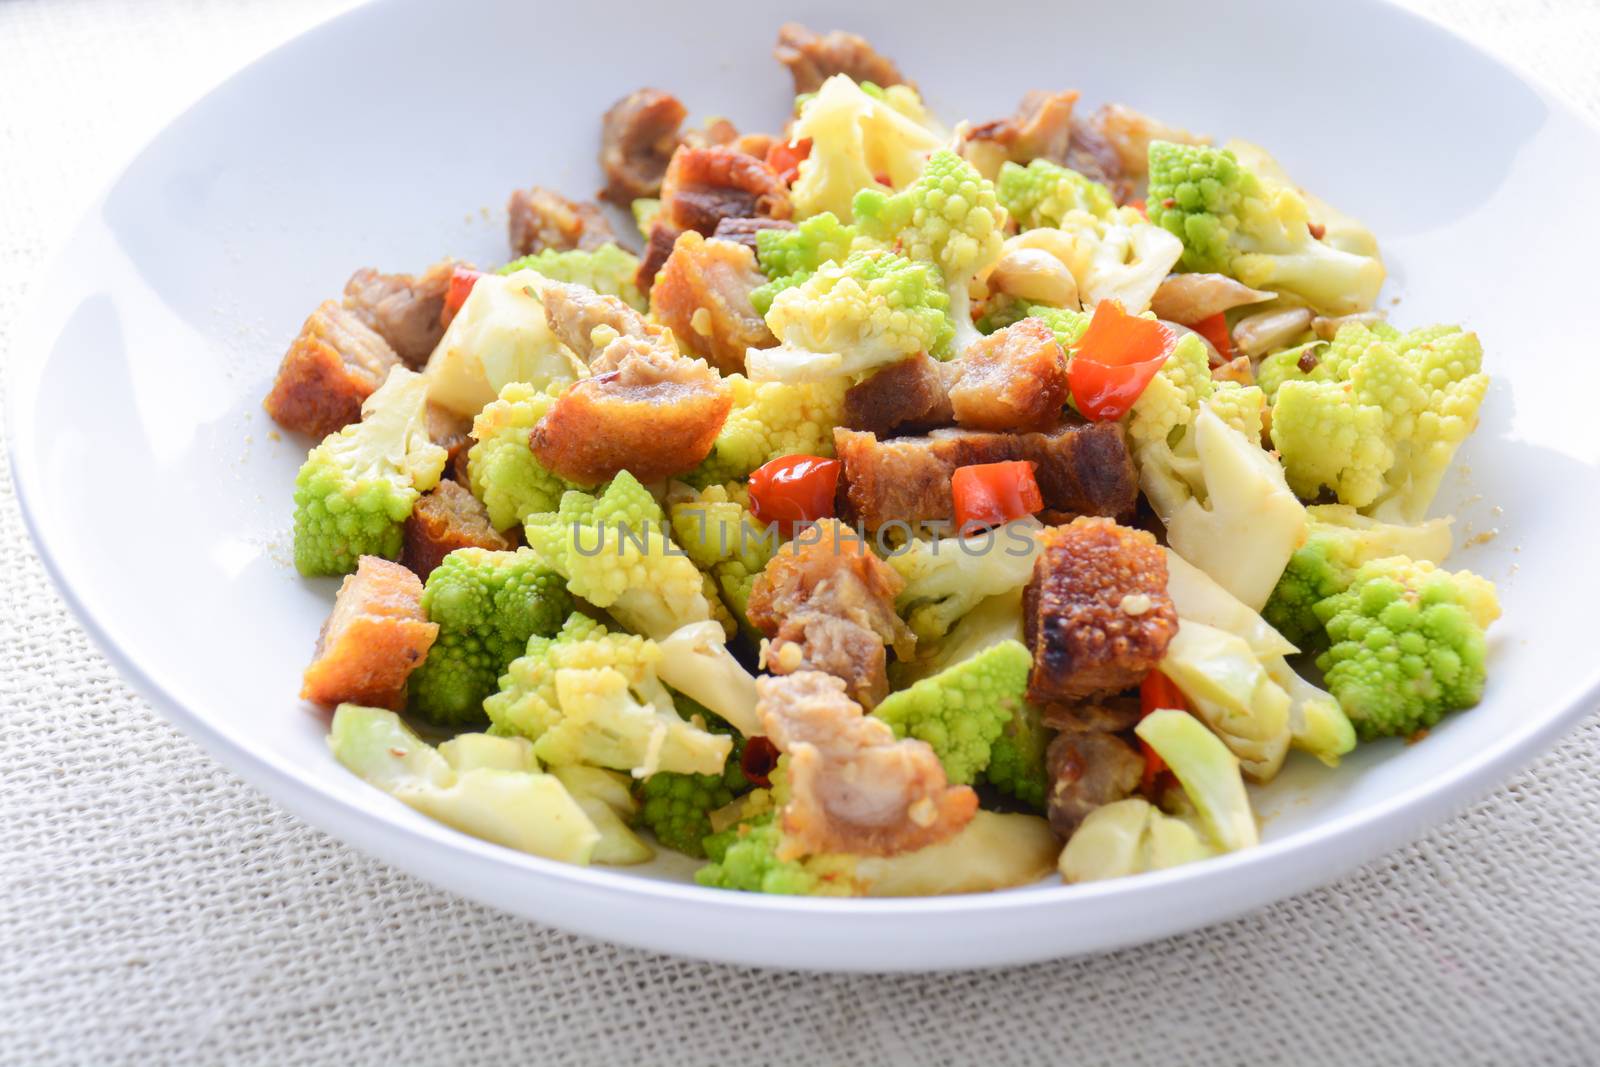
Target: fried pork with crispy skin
{"type": "Point", "coordinates": [1040, 129]}
{"type": "Point", "coordinates": [1082, 469]}
{"type": "Point", "coordinates": [650, 411]}
{"type": "Point", "coordinates": [574, 312]}
{"type": "Point", "coordinates": [907, 396]}
{"type": "Point", "coordinates": [1096, 613]}
{"type": "Point", "coordinates": [703, 186]}
{"type": "Point", "coordinates": [813, 59]}
{"type": "Point", "coordinates": [335, 363]}
{"type": "Point", "coordinates": [702, 294]}
{"type": "Point", "coordinates": [1015, 379]}
{"type": "Point", "coordinates": [375, 637]}
{"type": "Point", "coordinates": [444, 520]}
{"type": "Point", "coordinates": [853, 787]}
{"type": "Point", "coordinates": [538, 218]}
{"type": "Point", "coordinates": [744, 230]}
{"type": "Point", "coordinates": [405, 311]}
{"type": "Point", "coordinates": [637, 138]}
{"type": "Point", "coordinates": [1088, 769]}
{"type": "Point", "coordinates": [828, 604]}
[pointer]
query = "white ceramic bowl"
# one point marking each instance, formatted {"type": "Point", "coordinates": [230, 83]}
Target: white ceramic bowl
{"type": "Point", "coordinates": [160, 497]}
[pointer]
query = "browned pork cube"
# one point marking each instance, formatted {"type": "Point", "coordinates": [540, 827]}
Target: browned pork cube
{"type": "Point", "coordinates": [405, 311]}
{"type": "Point", "coordinates": [1014, 379]}
{"type": "Point", "coordinates": [538, 218]}
{"type": "Point", "coordinates": [744, 230]}
{"type": "Point", "coordinates": [908, 395]}
{"type": "Point", "coordinates": [637, 138]}
{"type": "Point", "coordinates": [444, 520]}
{"type": "Point", "coordinates": [813, 58]}
{"type": "Point", "coordinates": [375, 637]}
{"type": "Point", "coordinates": [702, 293]}
{"type": "Point", "coordinates": [1088, 770]}
{"type": "Point", "coordinates": [1096, 612]}
{"type": "Point", "coordinates": [335, 363]}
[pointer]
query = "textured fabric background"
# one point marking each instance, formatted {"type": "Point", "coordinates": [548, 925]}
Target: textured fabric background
{"type": "Point", "coordinates": [155, 910]}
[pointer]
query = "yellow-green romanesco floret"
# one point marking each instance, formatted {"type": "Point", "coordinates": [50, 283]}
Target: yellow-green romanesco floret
{"type": "Point", "coordinates": [1041, 193]}
{"type": "Point", "coordinates": [526, 705]}
{"type": "Point", "coordinates": [789, 257]}
{"type": "Point", "coordinates": [609, 269]}
{"type": "Point", "coordinates": [745, 857]}
{"type": "Point", "coordinates": [772, 419]}
{"type": "Point", "coordinates": [726, 541]}
{"type": "Point", "coordinates": [962, 710]}
{"type": "Point", "coordinates": [615, 551]}
{"type": "Point", "coordinates": [501, 468]}
{"type": "Point", "coordinates": [1172, 399]}
{"type": "Point", "coordinates": [1407, 645]}
{"type": "Point", "coordinates": [606, 721]}
{"type": "Point", "coordinates": [356, 489]}
{"type": "Point", "coordinates": [1017, 758]}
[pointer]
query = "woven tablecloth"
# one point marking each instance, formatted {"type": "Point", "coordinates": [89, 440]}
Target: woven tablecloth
{"type": "Point", "coordinates": [156, 910]}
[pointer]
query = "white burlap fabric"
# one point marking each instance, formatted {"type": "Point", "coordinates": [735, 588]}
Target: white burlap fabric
{"type": "Point", "coordinates": [155, 910]}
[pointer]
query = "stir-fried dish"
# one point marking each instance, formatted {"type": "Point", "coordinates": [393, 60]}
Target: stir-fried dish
{"type": "Point", "coordinates": [902, 509]}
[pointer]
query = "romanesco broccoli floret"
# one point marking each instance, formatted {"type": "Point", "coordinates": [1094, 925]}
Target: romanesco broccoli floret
{"type": "Point", "coordinates": [356, 489]}
{"type": "Point", "coordinates": [847, 318]}
{"type": "Point", "coordinates": [949, 217]}
{"type": "Point", "coordinates": [1407, 644]}
{"type": "Point", "coordinates": [726, 541]}
{"type": "Point", "coordinates": [677, 808]}
{"type": "Point", "coordinates": [1016, 759]}
{"type": "Point", "coordinates": [789, 257]}
{"type": "Point", "coordinates": [745, 857]}
{"type": "Point", "coordinates": [624, 719]}
{"type": "Point", "coordinates": [1172, 398]}
{"type": "Point", "coordinates": [1068, 325]}
{"type": "Point", "coordinates": [1234, 221]}
{"type": "Point", "coordinates": [963, 709]}
{"type": "Point", "coordinates": [526, 704]}
{"type": "Point", "coordinates": [1379, 417]}
{"type": "Point", "coordinates": [614, 551]}
{"type": "Point", "coordinates": [1041, 194]}
{"type": "Point", "coordinates": [487, 605]}
{"type": "Point", "coordinates": [501, 468]}
{"type": "Point", "coordinates": [609, 269]}
{"type": "Point", "coordinates": [768, 420]}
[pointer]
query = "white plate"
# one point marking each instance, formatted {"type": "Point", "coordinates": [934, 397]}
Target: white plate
{"type": "Point", "coordinates": [160, 498]}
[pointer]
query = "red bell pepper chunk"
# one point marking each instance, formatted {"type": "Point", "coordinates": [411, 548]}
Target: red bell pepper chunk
{"type": "Point", "coordinates": [1214, 328]}
{"type": "Point", "coordinates": [462, 279]}
{"type": "Point", "coordinates": [785, 158]}
{"type": "Point", "coordinates": [988, 494]}
{"type": "Point", "coordinates": [794, 490]}
{"type": "Point", "coordinates": [1116, 358]}
{"type": "Point", "coordinates": [1156, 692]}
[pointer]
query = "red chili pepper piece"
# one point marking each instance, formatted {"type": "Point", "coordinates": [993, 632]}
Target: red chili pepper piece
{"type": "Point", "coordinates": [1156, 692]}
{"type": "Point", "coordinates": [757, 760]}
{"type": "Point", "coordinates": [988, 494]}
{"type": "Point", "coordinates": [794, 490]}
{"type": "Point", "coordinates": [1116, 358]}
{"type": "Point", "coordinates": [785, 158]}
{"type": "Point", "coordinates": [1214, 328]}
{"type": "Point", "coordinates": [462, 279]}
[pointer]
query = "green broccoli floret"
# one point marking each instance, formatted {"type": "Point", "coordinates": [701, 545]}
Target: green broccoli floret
{"type": "Point", "coordinates": [1016, 759]}
{"type": "Point", "coordinates": [1040, 194]}
{"type": "Point", "coordinates": [726, 541]}
{"type": "Point", "coordinates": [608, 269]}
{"type": "Point", "coordinates": [501, 467]}
{"type": "Point", "coordinates": [963, 709]}
{"type": "Point", "coordinates": [614, 551]}
{"type": "Point", "coordinates": [768, 420]}
{"type": "Point", "coordinates": [789, 257]}
{"type": "Point", "coordinates": [744, 857]}
{"type": "Point", "coordinates": [1234, 221]}
{"type": "Point", "coordinates": [1407, 645]}
{"type": "Point", "coordinates": [487, 605]}
{"type": "Point", "coordinates": [1380, 416]}
{"type": "Point", "coordinates": [356, 489]}
{"type": "Point", "coordinates": [847, 318]}
{"type": "Point", "coordinates": [950, 217]}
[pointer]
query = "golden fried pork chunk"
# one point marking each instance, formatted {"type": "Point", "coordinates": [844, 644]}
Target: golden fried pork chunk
{"type": "Point", "coordinates": [1096, 613]}
{"type": "Point", "coordinates": [852, 786]}
{"type": "Point", "coordinates": [1082, 469]}
{"type": "Point", "coordinates": [1014, 379]}
{"type": "Point", "coordinates": [813, 59]}
{"type": "Point", "coordinates": [575, 311]}
{"type": "Point", "coordinates": [702, 294]}
{"type": "Point", "coordinates": [1040, 129]}
{"type": "Point", "coordinates": [827, 603]}
{"type": "Point", "coordinates": [335, 363]}
{"type": "Point", "coordinates": [646, 409]}
{"type": "Point", "coordinates": [704, 186]}
{"type": "Point", "coordinates": [906, 396]}
{"type": "Point", "coordinates": [405, 311]}
{"type": "Point", "coordinates": [1088, 769]}
{"type": "Point", "coordinates": [538, 218]}
{"type": "Point", "coordinates": [637, 138]}
{"type": "Point", "coordinates": [444, 520]}
{"type": "Point", "coordinates": [375, 637]}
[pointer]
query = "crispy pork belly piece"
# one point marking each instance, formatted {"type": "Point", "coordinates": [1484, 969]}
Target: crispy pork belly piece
{"type": "Point", "coordinates": [703, 186]}
{"type": "Point", "coordinates": [909, 395]}
{"type": "Point", "coordinates": [744, 230]}
{"type": "Point", "coordinates": [716, 132]}
{"type": "Point", "coordinates": [828, 604]}
{"type": "Point", "coordinates": [453, 433]}
{"type": "Point", "coordinates": [1096, 614]}
{"type": "Point", "coordinates": [657, 247]}
{"type": "Point", "coordinates": [637, 138]}
{"type": "Point", "coordinates": [575, 311]}
{"type": "Point", "coordinates": [538, 218]}
{"type": "Point", "coordinates": [1014, 379]}
{"type": "Point", "coordinates": [405, 311]}
{"type": "Point", "coordinates": [1093, 154]}
{"type": "Point", "coordinates": [1087, 770]}
{"type": "Point", "coordinates": [375, 637]}
{"type": "Point", "coordinates": [813, 59]}
{"type": "Point", "coordinates": [333, 365]}
{"type": "Point", "coordinates": [1111, 715]}
{"type": "Point", "coordinates": [443, 520]}
{"type": "Point", "coordinates": [1130, 132]}
{"type": "Point", "coordinates": [702, 294]}
{"type": "Point", "coordinates": [1082, 469]}
{"type": "Point", "coordinates": [652, 412]}
{"type": "Point", "coordinates": [853, 787]}
{"type": "Point", "coordinates": [1040, 129]}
